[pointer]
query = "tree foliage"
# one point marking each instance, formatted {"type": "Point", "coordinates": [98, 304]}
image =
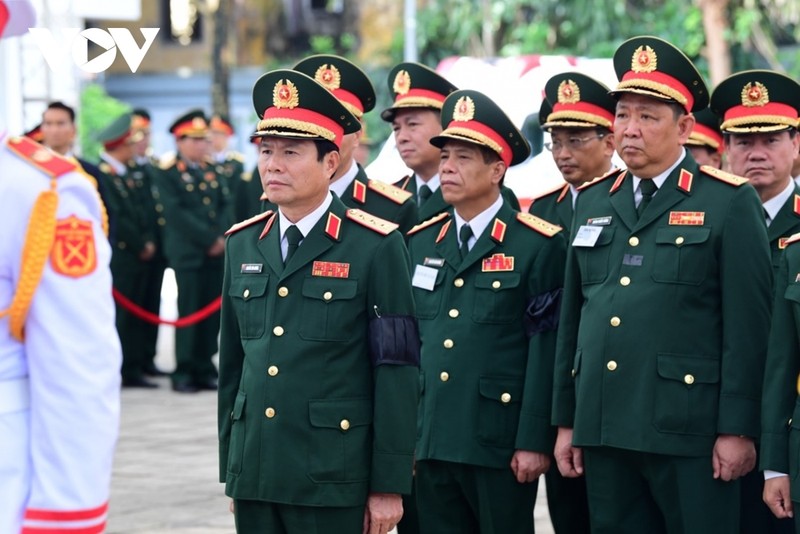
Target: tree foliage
{"type": "Point", "coordinates": [98, 110]}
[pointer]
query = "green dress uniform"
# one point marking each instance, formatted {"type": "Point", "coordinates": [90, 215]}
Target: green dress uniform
{"type": "Point", "coordinates": [785, 224]}
{"type": "Point", "coordinates": [197, 213]}
{"type": "Point", "coordinates": [382, 200]}
{"type": "Point", "coordinates": [555, 206]}
{"type": "Point", "coordinates": [247, 196]}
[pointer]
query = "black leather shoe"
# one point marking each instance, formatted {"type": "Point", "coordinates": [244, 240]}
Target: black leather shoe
{"type": "Point", "coordinates": [184, 387]}
{"type": "Point", "coordinates": [138, 383]}
{"type": "Point", "coordinates": [153, 371]}
{"type": "Point", "coordinates": [207, 385]}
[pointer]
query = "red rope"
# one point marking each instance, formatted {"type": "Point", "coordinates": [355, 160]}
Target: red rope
{"type": "Point", "coordinates": [193, 318]}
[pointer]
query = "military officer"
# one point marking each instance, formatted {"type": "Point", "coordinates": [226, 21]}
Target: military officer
{"type": "Point", "coordinates": [319, 350]}
{"type": "Point", "coordinates": [350, 183]}
{"type": "Point", "coordinates": [132, 245]}
{"type": "Point", "coordinates": [229, 163]}
{"type": "Point", "coordinates": [779, 437]}
{"type": "Point", "coordinates": [487, 284]}
{"type": "Point", "coordinates": [705, 142]}
{"type": "Point", "coordinates": [59, 370]}
{"type": "Point", "coordinates": [578, 112]}
{"type": "Point", "coordinates": [658, 370]}
{"type": "Point", "coordinates": [197, 214]}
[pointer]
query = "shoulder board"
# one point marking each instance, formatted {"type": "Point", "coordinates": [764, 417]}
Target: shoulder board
{"type": "Point", "coordinates": [793, 239]}
{"type": "Point", "coordinates": [609, 174]}
{"type": "Point", "coordinates": [246, 176]}
{"type": "Point", "coordinates": [248, 222]}
{"type": "Point", "coordinates": [424, 224]}
{"type": "Point", "coordinates": [540, 225]}
{"type": "Point", "coordinates": [393, 193]}
{"type": "Point", "coordinates": [549, 192]}
{"type": "Point", "coordinates": [106, 168]}
{"type": "Point", "coordinates": [50, 163]}
{"type": "Point", "coordinates": [236, 156]}
{"type": "Point", "coordinates": [368, 220]}
{"type": "Point", "coordinates": [723, 176]}
{"type": "Point", "coordinates": [402, 183]}
{"type": "Point", "coordinates": [167, 161]}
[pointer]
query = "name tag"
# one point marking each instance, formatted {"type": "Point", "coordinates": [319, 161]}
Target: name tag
{"type": "Point", "coordinates": [586, 236]}
{"type": "Point", "coordinates": [424, 277]}
{"type": "Point", "coordinates": [599, 221]}
{"type": "Point", "coordinates": [254, 268]}
{"type": "Point", "coordinates": [433, 262]}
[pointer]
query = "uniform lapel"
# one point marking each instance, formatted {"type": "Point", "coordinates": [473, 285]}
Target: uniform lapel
{"type": "Point", "coordinates": [621, 198]}
{"type": "Point", "coordinates": [316, 242]}
{"type": "Point", "coordinates": [564, 211]}
{"type": "Point", "coordinates": [787, 218]}
{"type": "Point", "coordinates": [434, 205]}
{"type": "Point", "coordinates": [447, 244]}
{"type": "Point", "coordinates": [270, 245]}
{"type": "Point", "coordinates": [668, 194]}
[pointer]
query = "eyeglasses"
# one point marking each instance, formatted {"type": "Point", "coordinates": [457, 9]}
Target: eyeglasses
{"type": "Point", "coordinates": [573, 143]}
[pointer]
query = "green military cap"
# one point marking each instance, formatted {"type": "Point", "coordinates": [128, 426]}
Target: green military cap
{"type": "Point", "coordinates": [757, 101]}
{"type": "Point", "coordinates": [473, 117]}
{"type": "Point", "coordinates": [193, 123]}
{"type": "Point", "coordinates": [35, 133]}
{"type": "Point", "coordinates": [221, 123]}
{"type": "Point", "coordinates": [345, 80]}
{"type": "Point", "coordinates": [706, 130]}
{"type": "Point", "coordinates": [117, 133]}
{"type": "Point", "coordinates": [291, 104]}
{"type": "Point", "coordinates": [140, 119]}
{"type": "Point", "coordinates": [653, 67]}
{"type": "Point", "coordinates": [578, 101]}
{"type": "Point", "coordinates": [416, 86]}
{"type": "Point", "coordinates": [545, 109]}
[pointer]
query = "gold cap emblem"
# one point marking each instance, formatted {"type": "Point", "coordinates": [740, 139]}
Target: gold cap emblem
{"type": "Point", "coordinates": [464, 110]}
{"type": "Point", "coordinates": [644, 60]}
{"type": "Point", "coordinates": [568, 92]}
{"type": "Point", "coordinates": [402, 83]}
{"type": "Point", "coordinates": [285, 95]}
{"type": "Point", "coordinates": [755, 94]}
{"type": "Point", "coordinates": [329, 76]}
{"type": "Point", "coordinates": [198, 123]}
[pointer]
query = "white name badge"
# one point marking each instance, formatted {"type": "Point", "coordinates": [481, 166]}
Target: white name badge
{"type": "Point", "coordinates": [586, 236]}
{"type": "Point", "coordinates": [424, 277]}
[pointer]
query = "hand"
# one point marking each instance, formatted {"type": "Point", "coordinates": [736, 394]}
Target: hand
{"type": "Point", "coordinates": [383, 512]}
{"type": "Point", "coordinates": [776, 496]}
{"type": "Point", "coordinates": [733, 457]}
{"type": "Point", "coordinates": [231, 507]}
{"type": "Point", "coordinates": [217, 249]}
{"type": "Point", "coordinates": [568, 458]}
{"type": "Point", "coordinates": [528, 465]}
{"type": "Point", "coordinates": [148, 251]}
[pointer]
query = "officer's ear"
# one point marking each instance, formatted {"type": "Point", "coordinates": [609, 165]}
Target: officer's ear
{"type": "Point", "coordinates": [330, 162]}
{"type": "Point", "coordinates": [686, 124]}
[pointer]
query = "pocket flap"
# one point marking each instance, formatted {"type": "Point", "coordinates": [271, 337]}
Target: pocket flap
{"type": "Point", "coordinates": [680, 236]}
{"type": "Point", "coordinates": [329, 289]}
{"type": "Point", "coordinates": [340, 413]}
{"type": "Point", "coordinates": [502, 389]}
{"type": "Point", "coordinates": [688, 369]}
{"type": "Point", "coordinates": [238, 406]}
{"type": "Point", "coordinates": [497, 281]}
{"type": "Point", "coordinates": [247, 287]}
{"type": "Point", "coordinates": [792, 292]}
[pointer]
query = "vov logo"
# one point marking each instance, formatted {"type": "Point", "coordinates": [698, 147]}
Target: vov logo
{"type": "Point", "coordinates": [74, 47]}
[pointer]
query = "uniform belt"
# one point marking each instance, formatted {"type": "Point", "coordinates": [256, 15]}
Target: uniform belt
{"type": "Point", "coordinates": [14, 395]}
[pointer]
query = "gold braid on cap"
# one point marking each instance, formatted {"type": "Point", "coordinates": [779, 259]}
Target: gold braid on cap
{"type": "Point", "coordinates": [698, 139]}
{"type": "Point", "coordinates": [418, 101]}
{"type": "Point", "coordinates": [357, 113]}
{"type": "Point", "coordinates": [758, 123]}
{"type": "Point", "coordinates": [306, 129]}
{"type": "Point", "coordinates": [663, 89]}
{"type": "Point", "coordinates": [475, 136]}
{"type": "Point", "coordinates": [38, 242]}
{"type": "Point", "coordinates": [582, 116]}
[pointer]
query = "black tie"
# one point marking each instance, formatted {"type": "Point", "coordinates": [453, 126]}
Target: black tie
{"type": "Point", "coordinates": [648, 188]}
{"type": "Point", "coordinates": [464, 234]}
{"type": "Point", "coordinates": [424, 194]}
{"type": "Point", "coordinates": [293, 237]}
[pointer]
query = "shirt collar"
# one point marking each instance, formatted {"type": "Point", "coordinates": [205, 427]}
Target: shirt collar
{"type": "Point", "coordinates": [344, 181]}
{"type": "Point", "coordinates": [306, 223]}
{"type": "Point", "coordinates": [118, 167]}
{"type": "Point", "coordinates": [774, 205]}
{"type": "Point", "coordinates": [661, 178]}
{"type": "Point", "coordinates": [433, 183]}
{"type": "Point", "coordinates": [481, 220]}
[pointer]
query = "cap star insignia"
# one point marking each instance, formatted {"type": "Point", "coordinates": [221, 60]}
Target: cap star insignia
{"type": "Point", "coordinates": [285, 95]}
{"type": "Point", "coordinates": [329, 76]}
{"type": "Point", "coordinates": [569, 92]}
{"type": "Point", "coordinates": [402, 82]}
{"type": "Point", "coordinates": [754, 95]}
{"type": "Point", "coordinates": [644, 60]}
{"type": "Point", "coordinates": [464, 110]}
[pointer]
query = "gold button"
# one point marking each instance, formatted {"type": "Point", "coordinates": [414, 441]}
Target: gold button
{"type": "Point", "coordinates": [189, 187]}
{"type": "Point", "coordinates": [689, 379]}
{"type": "Point", "coordinates": [246, 293]}
{"type": "Point", "coordinates": [634, 241]}
{"type": "Point", "coordinates": [283, 291]}
{"type": "Point", "coordinates": [453, 313]}
{"type": "Point", "coordinates": [273, 370]}
{"type": "Point", "coordinates": [458, 282]}
{"type": "Point", "coordinates": [159, 208]}
{"type": "Point", "coordinates": [162, 221]}
{"type": "Point", "coordinates": [448, 343]}
{"type": "Point", "coordinates": [679, 240]}
{"type": "Point", "coordinates": [612, 365]}
{"type": "Point", "coordinates": [345, 424]}
{"type": "Point", "coordinates": [202, 186]}
{"type": "Point", "coordinates": [615, 321]}
{"type": "Point", "coordinates": [278, 331]}
{"type": "Point", "coordinates": [444, 376]}
{"type": "Point", "coordinates": [496, 284]}
{"type": "Point", "coordinates": [625, 281]}
{"type": "Point", "coordinates": [790, 422]}
{"type": "Point", "coordinates": [270, 413]}
{"type": "Point", "coordinates": [206, 201]}
{"type": "Point", "coordinates": [505, 398]}
{"type": "Point", "coordinates": [327, 295]}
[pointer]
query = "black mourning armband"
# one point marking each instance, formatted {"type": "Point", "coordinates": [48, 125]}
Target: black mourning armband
{"type": "Point", "coordinates": [394, 340]}
{"type": "Point", "coordinates": [542, 312]}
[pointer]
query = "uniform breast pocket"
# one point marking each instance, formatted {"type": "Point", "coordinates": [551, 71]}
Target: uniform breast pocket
{"type": "Point", "coordinates": [498, 410]}
{"type": "Point", "coordinates": [686, 394]}
{"type": "Point", "coordinates": [328, 309]}
{"type": "Point", "coordinates": [593, 261]}
{"type": "Point", "coordinates": [497, 299]}
{"type": "Point", "coordinates": [427, 302]}
{"type": "Point", "coordinates": [341, 444]}
{"type": "Point", "coordinates": [682, 255]}
{"type": "Point", "coordinates": [247, 294]}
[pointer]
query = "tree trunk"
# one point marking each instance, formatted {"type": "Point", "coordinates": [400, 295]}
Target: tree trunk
{"type": "Point", "coordinates": [220, 59]}
{"type": "Point", "coordinates": [718, 53]}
